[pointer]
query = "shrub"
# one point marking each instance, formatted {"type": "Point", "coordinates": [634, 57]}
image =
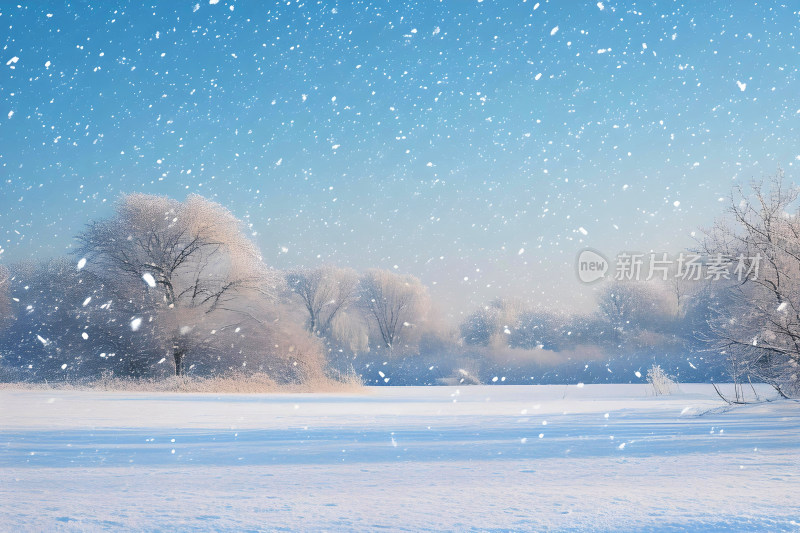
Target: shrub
{"type": "Point", "coordinates": [661, 382]}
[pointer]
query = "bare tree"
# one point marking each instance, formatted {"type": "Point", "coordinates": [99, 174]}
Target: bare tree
{"type": "Point", "coordinates": [392, 303]}
{"type": "Point", "coordinates": [186, 265]}
{"type": "Point", "coordinates": [325, 292]}
{"type": "Point", "coordinates": [758, 328]}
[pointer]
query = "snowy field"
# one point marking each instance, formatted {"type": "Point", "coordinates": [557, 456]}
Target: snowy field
{"type": "Point", "coordinates": [595, 458]}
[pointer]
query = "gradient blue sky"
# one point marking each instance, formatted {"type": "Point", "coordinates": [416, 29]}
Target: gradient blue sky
{"type": "Point", "coordinates": [440, 138]}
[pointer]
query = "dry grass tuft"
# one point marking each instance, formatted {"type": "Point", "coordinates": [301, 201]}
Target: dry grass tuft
{"type": "Point", "coordinates": [232, 383]}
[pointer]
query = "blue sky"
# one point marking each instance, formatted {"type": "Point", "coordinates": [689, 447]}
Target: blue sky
{"type": "Point", "coordinates": [441, 138]}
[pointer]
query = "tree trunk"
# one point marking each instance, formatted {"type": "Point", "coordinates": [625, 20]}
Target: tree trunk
{"type": "Point", "coordinates": [178, 355]}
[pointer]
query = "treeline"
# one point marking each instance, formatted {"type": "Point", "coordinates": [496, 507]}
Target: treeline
{"type": "Point", "coordinates": [166, 287]}
{"type": "Point", "coordinates": [162, 287]}
{"type": "Point", "coordinates": [171, 288]}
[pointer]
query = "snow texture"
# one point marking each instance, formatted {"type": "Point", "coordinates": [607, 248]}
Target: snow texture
{"type": "Point", "coordinates": [610, 457]}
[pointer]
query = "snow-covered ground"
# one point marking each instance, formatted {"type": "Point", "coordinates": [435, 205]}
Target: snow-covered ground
{"type": "Point", "coordinates": [602, 457]}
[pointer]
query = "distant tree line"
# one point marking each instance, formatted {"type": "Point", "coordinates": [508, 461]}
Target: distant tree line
{"type": "Point", "coordinates": [164, 287]}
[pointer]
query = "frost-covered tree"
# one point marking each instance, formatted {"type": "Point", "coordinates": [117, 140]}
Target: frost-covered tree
{"type": "Point", "coordinates": [758, 328]}
{"type": "Point", "coordinates": [480, 326]}
{"type": "Point", "coordinates": [618, 303]}
{"type": "Point", "coordinates": [6, 317]}
{"type": "Point", "coordinates": [558, 330]}
{"type": "Point", "coordinates": [661, 382]}
{"type": "Point", "coordinates": [325, 292]}
{"type": "Point", "coordinates": [393, 304]}
{"type": "Point", "coordinates": [5, 297]}
{"type": "Point", "coordinates": [186, 270]}
{"type": "Point", "coordinates": [350, 331]}
{"type": "Point", "coordinates": [66, 326]}
{"type": "Point", "coordinates": [493, 323]}
{"type": "Point", "coordinates": [632, 308]}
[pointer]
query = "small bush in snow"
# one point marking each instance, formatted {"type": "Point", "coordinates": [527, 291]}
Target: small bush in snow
{"type": "Point", "coordinates": [660, 381]}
